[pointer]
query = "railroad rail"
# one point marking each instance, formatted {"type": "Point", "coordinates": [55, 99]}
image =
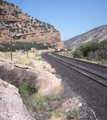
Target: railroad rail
{"type": "Point", "coordinates": [82, 71]}
{"type": "Point", "coordinates": [94, 64]}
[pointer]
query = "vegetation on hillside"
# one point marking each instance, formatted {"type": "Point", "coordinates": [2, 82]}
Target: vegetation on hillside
{"type": "Point", "coordinates": [92, 51]}
{"type": "Point", "coordinates": [22, 27]}
{"type": "Point", "coordinates": [24, 46]}
{"type": "Point", "coordinates": [84, 50]}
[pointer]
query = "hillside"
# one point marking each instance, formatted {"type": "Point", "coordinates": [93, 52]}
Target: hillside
{"type": "Point", "coordinates": [95, 35]}
{"type": "Point", "coordinates": [13, 22]}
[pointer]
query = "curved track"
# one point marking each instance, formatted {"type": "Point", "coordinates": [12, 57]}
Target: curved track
{"type": "Point", "coordinates": [100, 79]}
{"type": "Point", "coordinates": [92, 94]}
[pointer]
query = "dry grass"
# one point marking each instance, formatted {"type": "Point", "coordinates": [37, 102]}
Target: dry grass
{"type": "Point", "coordinates": [93, 113]}
{"type": "Point", "coordinates": [19, 57]}
{"type": "Point", "coordinates": [57, 114]}
{"type": "Point", "coordinates": [66, 53]}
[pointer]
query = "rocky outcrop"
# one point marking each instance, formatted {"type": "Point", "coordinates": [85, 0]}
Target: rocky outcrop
{"type": "Point", "coordinates": [38, 77]}
{"type": "Point", "coordinates": [60, 45]}
{"type": "Point", "coordinates": [8, 9]}
{"type": "Point", "coordinates": [23, 28]}
{"type": "Point", "coordinates": [95, 35]}
{"type": "Point", "coordinates": [11, 104]}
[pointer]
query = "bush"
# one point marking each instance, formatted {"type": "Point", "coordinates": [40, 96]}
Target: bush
{"type": "Point", "coordinates": [24, 37]}
{"type": "Point", "coordinates": [34, 26]}
{"type": "Point", "coordinates": [25, 26]}
{"type": "Point", "coordinates": [34, 101]}
{"type": "Point", "coordinates": [26, 91]}
{"type": "Point", "coordinates": [73, 114]}
{"type": "Point", "coordinates": [22, 91]}
{"type": "Point", "coordinates": [77, 54]}
{"type": "Point", "coordinates": [41, 102]}
{"type": "Point", "coordinates": [38, 102]}
{"type": "Point", "coordinates": [11, 29]}
{"type": "Point", "coordinates": [98, 58]}
{"type": "Point", "coordinates": [90, 56]}
{"type": "Point", "coordinates": [50, 115]}
{"type": "Point", "coordinates": [89, 47]}
{"type": "Point", "coordinates": [12, 4]}
{"type": "Point", "coordinates": [31, 90]}
{"type": "Point", "coordinates": [5, 47]}
{"type": "Point", "coordinates": [103, 43]}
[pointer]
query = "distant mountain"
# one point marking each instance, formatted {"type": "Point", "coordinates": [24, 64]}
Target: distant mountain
{"type": "Point", "coordinates": [95, 35]}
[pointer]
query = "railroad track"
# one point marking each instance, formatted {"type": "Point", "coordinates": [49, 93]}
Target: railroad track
{"type": "Point", "coordinates": [81, 71]}
{"type": "Point", "coordinates": [94, 64]}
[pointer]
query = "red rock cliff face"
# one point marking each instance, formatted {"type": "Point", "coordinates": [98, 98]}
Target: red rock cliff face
{"type": "Point", "coordinates": [14, 23]}
{"type": "Point", "coordinates": [46, 37]}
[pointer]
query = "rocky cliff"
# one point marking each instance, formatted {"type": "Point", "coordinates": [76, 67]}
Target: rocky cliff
{"type": "Point", "coordinates": [11, 104]}
{"type": "Point", "coordinates": [95, 35]}
{"type": "Point", "coordinates": [21, 27]}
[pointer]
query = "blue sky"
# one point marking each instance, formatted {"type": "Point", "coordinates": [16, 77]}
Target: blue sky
{"type": "Point", "coordinates": [69, 17]}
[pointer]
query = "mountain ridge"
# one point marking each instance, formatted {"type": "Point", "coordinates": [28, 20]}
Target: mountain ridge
{"type": "Point", "coordinates": [97, 34]}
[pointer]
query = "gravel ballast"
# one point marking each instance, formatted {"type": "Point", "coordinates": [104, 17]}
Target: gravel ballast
{"type": "Point", "coordinates": [91, 94]}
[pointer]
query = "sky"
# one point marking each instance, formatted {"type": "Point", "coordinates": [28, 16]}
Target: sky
{"type": "Point", "coordinates": [69, 17]}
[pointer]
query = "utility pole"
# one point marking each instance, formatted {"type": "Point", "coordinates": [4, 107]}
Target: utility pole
{"type": "Point", "coordinates": [27, 51]}
{"type": "Point", "coordinates": [11, 47]}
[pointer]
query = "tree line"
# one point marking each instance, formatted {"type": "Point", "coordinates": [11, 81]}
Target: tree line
{"type": "Point", "coordinates": [84, 50]}
{"type": "Point", "coordinates": [24, 46]}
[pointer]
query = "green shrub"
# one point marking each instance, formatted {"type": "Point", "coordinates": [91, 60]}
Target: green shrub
{"type": "Point", "coordinates": [98, 58]}
{"type": "Point", "coordinates": [38, 102]}
{"type": "Point", "coordinates": [22, 91]}
{"type": "Point", "coordinates": [103, 43]}
{"type": "Point", "coordinates": [47, 98]}
{"type": "Point", "coordinates": [73, 114]}
{"type": "Point", "coordinates": [41, 102]}
{"type": "Point", "coordinates": [26, 91]}
{"type": "Point", "coordinates": [25, 26]}
{"type": "Point", "coordinates": [31, 90]}
{"type": "Point", "coordinates": [56, 98]}
{"type": "Point", "coordinates": [11, 29]}
{"type": "Point", "coordinates": [50, 115]}
{"type": "Point", "coordinates": [77, 54]}
{"type": "Point", "coordinates": [90, 56]}
{"type": "Point", "coordinates": [24, 37]}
